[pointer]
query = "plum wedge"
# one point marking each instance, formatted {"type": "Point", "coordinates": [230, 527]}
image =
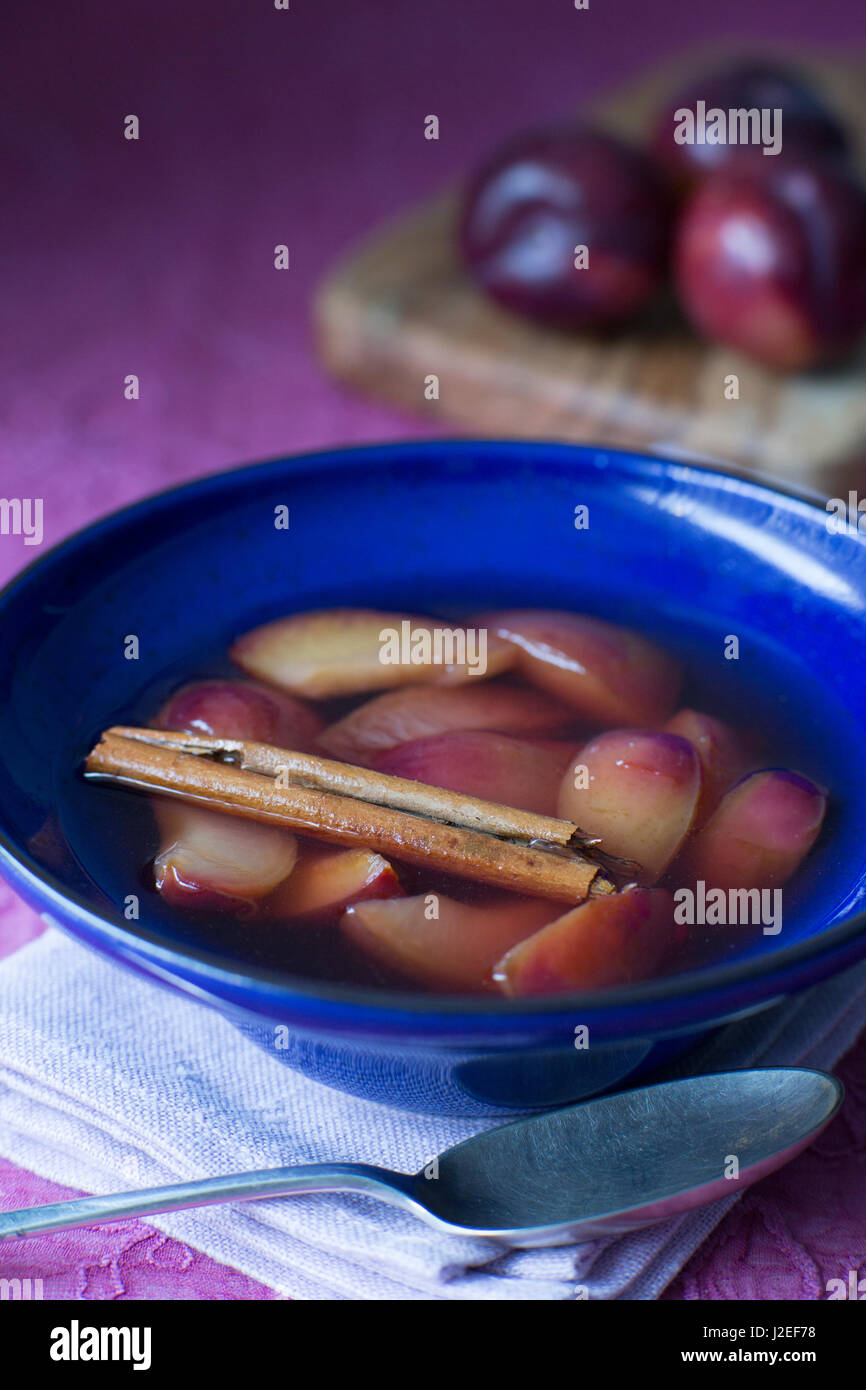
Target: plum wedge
{"type": "Point", "coordinates": [456, 948]}
{"type": "Point", "coordinates": [324, 883]}
{"type": "Point", "coordinates": [759, 834]}
{"type": "Point", "coordinates": [724, 754]}
{"type": "Point", "coordinates": [241, 709]}
{"type": "Point", "coordinates": [345, 651]}
{"type": "Point", "coordinates": [637, 790]}
{"type": "Point", "coordinates": [497, 767]}
{"type": "Point", "coordinates": [416, 712]}
{"type": "Point", "coordinates": [609, 675]}
{"type": "Point", "coordinates": [213, 862]}
{"type": "Point", "coordinates": [602, 942]}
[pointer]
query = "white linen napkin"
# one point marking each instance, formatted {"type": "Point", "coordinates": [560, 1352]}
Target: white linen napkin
{"type": "Point", "coordinates": [108, 1082]}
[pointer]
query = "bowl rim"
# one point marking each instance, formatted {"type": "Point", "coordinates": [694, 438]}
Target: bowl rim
{"type": "Point", "coordinates": [280, 988]}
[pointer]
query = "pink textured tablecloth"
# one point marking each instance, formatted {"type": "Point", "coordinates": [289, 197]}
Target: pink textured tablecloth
{"type": "Point", "coordinates": [156, 258]}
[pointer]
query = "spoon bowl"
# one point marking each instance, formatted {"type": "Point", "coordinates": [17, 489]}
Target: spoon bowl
{"type": "Point", "coordinates": [629, 1159]}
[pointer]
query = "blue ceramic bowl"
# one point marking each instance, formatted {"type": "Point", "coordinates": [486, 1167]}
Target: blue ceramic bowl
{"type": "Point", "coordinates": [687, 555]}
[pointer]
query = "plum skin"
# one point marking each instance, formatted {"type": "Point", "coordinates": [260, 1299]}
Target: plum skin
{"type": "Point", "coordinates": [546, 192]}
{"type": "Point", "coordinates": [776, 265]}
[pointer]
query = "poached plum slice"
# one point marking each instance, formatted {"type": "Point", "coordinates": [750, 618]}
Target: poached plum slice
{"type": "Point", "coordinates": [454, 950]}
{"type": "Point", "coordinates": [241, 709]}
{"type": "Point", "coordinates": [217, 862]}
{"type": "Point", "coordinates": [608, 674]}
{"type": "Point", "coordinates": [416, 712]}
{"type": "Point", "coordinates": [496, 767]}
{"type": "Point", "coordinates": [724, 754]}
{"type": "Point", "coordinates": [325, 882]}
{"type": "Point", "coordinates": [604, 941]}
{"type": "Point", "coordinates": [342, 651]}
{"type": "Point", "coordinates": [759, 834]}
{"type": "Point", "coordinates": [637, 790]}
{"type": "Point", "coordinates": [212, 862]}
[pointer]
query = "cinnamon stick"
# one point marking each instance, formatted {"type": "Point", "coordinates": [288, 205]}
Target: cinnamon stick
{"type": "Point", "coordinates": [163, 767]}
{"type": "Point", "coordinates": [345, 779]}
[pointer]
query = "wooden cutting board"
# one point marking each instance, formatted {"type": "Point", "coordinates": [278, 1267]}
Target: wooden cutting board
{"type": "Point", "coordinates": [401, 308]}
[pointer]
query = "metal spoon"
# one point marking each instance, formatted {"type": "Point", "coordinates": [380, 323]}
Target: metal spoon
{"type": "Point", "coordinates": [599, 1168]}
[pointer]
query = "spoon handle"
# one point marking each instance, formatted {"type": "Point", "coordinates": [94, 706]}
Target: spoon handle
{"type": "Point", "coordinates": [235, 1187]}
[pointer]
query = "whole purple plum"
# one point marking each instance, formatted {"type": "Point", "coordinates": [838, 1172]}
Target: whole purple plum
{"type": "Point", "coordinates": [776, 265]}
{"type": "Point", "coordinates": [808, 130]}
{"type": "Point", "coordinates": [568, 226]}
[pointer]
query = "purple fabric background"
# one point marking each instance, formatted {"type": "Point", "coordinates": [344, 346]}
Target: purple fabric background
{"type": "Point", "coordinates": [260, 127]}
